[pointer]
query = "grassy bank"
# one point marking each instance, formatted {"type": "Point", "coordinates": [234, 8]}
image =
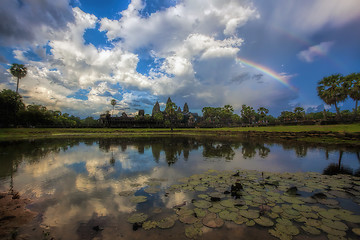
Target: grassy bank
{"type": "Point", "coordinates": [24, 133]}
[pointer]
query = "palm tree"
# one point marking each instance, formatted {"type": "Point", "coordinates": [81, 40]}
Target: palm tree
{"type": "Point", "coordinates": [353, 88]}
{"type": "Point", "coordinates": [113, 103]}
{"type": "Point", "coordinates": [331, 90]}
{"type": "Point", "coordinates": [18, 71]}
{"type": "Point", "coordinates": [262, 112]}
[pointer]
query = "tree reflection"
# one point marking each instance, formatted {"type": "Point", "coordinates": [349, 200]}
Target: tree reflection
{"type": "Point", "coordinates": [218, 150]}
{"type": "Point", "coordinates": [333, 168]}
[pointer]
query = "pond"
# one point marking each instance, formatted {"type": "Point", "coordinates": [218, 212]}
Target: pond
{"type": "Point", "coordinates": [184, 188]}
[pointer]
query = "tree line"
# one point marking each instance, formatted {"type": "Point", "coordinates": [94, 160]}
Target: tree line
{"type": "Point", "coordinates": [13, 112]}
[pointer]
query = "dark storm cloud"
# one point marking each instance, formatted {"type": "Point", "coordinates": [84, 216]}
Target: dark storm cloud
{"type": "Point", "coordinates": [23, 21]}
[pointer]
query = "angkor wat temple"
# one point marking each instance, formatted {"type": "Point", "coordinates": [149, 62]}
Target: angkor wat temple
{"type": "Point", "coordinates": [156, 120]}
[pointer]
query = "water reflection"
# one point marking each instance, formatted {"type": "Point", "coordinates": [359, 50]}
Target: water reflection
{"type": "Point", "coordinates": [77, 182]}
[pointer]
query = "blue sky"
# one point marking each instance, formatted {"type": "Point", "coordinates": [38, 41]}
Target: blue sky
{"type": "Point", "coordinates": [81, 54]}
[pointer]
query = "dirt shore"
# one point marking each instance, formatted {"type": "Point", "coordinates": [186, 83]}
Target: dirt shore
{"type": "Point", "coordinates": [13, 214]}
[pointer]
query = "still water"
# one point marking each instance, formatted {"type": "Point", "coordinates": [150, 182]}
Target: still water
{"type": "Point", "coordinates": [74, 184]}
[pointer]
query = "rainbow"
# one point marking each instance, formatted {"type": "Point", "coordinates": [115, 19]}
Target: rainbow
{"type": "Point", "coordinates": [282, 79]}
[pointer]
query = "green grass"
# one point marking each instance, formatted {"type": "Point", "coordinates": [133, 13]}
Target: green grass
{"type": "Point", "coordinates": [24, 133]}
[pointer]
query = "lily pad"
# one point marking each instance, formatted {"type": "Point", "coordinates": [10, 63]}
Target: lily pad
{"type": "Point", "coordinates": [152, 190]}
{"type": "Point", "coordinates": [193, 232]}
{"type": "Point", "coordinates": [250, 223]}
{"type": "Point", "coordinates": [188, 219]}
{"type": "Point", "coordinates": [200, 188]}
{"type": "Point", "coordinates": [149, 225]}
{"type": "Point", "coordinates": [335, 225]}
{"type": "Point", "coordinates": [168, 222]}
{"type": "Point", "coordinates": [212, 221]}
{"type": "Point", "coordinates": [356, 231]}
{"type": "Point", "coordinates": [240, 220]}
{"type": "Point", "coordinates": [227, 203]}
{"type": "Point", "coordinates": [264, 221]}
{"type": "Point", "coordinates": [137, 218]}
{"type": "Point", "coordinates": [287, 229]}
{"type": "Point", "coordinates": [294, 200]}
{"type": "Point", "coordinates": [311, 230]}
{"type": "Point", "coordinates": [332, 231]}
{"type": "Point", "coordinates": [249, 213]}
{"type": "Point", "coordinates": [138, 199]}
{"type": "Point", "coordinates": [280, 235]}
{"type": "Point", "coordinates": [226, 215]}
{"type": "Point", "coordinates": [200, 213]}
{"type": "Point", "coordinates": [202, 204]}
{"type": "Point", "coordinates": [349, 218]}
{"type": "Point", "coordinates": [126, 193]}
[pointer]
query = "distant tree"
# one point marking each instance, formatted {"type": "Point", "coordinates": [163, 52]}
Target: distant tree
{"type": "Point", "coordinates": [352, 82]}
{"type": "Point", "coordinates": [159, 117]}
{"type": "Point", "coordinates": [19, 71]}
{"type": "Point", "coordinates": [286, 116]}
{"type": "Point", "coordinates": [299, 113]}
{"type": "Point", "coordinates": [10, 106]}
{"type": "Point", "coordinates": [332, 91]}
{"type": "Point", "coordinates": [170, 111]}
{"type": "Point", "coordinates": [247, 113]}
{"type": "Point", "coordinates": [113, 103]}
{"type": "Point", "coordinates": [262, 113]}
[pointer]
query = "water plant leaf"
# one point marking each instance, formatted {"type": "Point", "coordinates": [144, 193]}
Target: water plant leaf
{"type": "Point", "coordinates": [168, 222]}
{"type": "Point", "coordinates": [138, 199]}
{"type": "Point", "coordinates": [311, 230]}
{"type": "Point", "coordinates": [264, 221]}
{"type": "Point", "coordinates": [202, 204]}
{"type": "Point", "coordinates": [137, 218]}
{"type": "Point", "coordinates": [188, 219]}
{"type": "Point", "coordinates": [335, 224]}
{"type": "Point", "coordinates": [151, 190]}
{"type": "Point", "coordinates": [200, 213]}
{"type": "Point", "coordinates": [349, 218]}
{"type": "Point", "coordinates": [212, 221]}
{"type": "Point", "coordinates": [356, 231]}
{"type": "Point", "coordinates": [192, 232]}
{"type": "Point", "coordinates": [332, 231]}
{"type": "Point", "coordinates": [280, 235]}
{"type": "Point", "coordinates": [250, 223]}
{"type": "Point", "coordinates": [149, 225]}
{"type": "Point", "coordinates": [249, 213]}
{"type": "Point", "coordinates": [126, 193]}
{"type": "Point", "coordinates": [226, 215]}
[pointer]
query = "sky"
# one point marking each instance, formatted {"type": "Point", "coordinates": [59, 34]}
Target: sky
{"type": "Point", "coordinates": [81, 54]}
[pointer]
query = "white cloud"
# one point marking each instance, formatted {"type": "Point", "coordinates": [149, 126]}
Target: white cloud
{"type": "Point", "coordinates": [164, 29]}
{"type": "Point", "coordinates": [309, 16]}
{"type": "Point", "coordinates": [312, 52]}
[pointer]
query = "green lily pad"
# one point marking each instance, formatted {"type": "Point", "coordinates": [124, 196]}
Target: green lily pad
{"type": "Point", "coordinates": [240, 220]}
{"type": "Point", "coordinates": [335, 224]}
{"type": "Point", "coordinates": [349, 218]}
{"type": "Point", "coordinates": [214, 210]}
{"type": "Point", "coordinates": [264, 221]}
{"type": "Point", "coordinates": [200, 188]}
{"type": "Point", "coordinates": [328, 215]}
{"type": "Point", "coordinates": [152, 190]}
{"type": "Point", "coordinates": [277, 209]}
{"type": "Point", "coordinates": [356, 231]}
{"type": "Point", "coordinates": [289, 199]}
{"type": "Point", "coordinates": [332, 231]}
{"type": "Point", "coordinates": [138, 199]}
{"type": "Point", "coordinates": [200, 213]}
{"type": "Point", "coordinates": [280, 235]}
{"type": "Point", "coordinates": [149, 225]}
{"type": "Point", "coordinates": [202, 204]}
{"type": "Point", "coordinates": [226, 215]}
{"type": "Point", "coordinates": [287, 229]}
{"type": "Point", "coordinates": [126, 193]}
{"type": "Point", "coordinates": [313, 223]}
{"type": "Point", "coordinates": [204, 196]}
{"type": "Point", "coordinates": [212, 221]}
{"type": "Point", "coordinates": [192, 232]}
{"type": "Point", "coordinates": [227, 203]}
{"type": "Point", "coordinates": [165, 223]}
{"type": "Point", "coordinates": [250, 223]}
{"type": "Point", "coordinates": [137, 218]}
{"type": "Point", "coordinates": [249, 213]}
{"type": "Point", "coordinates": [184, 211]}
{"type": "Point", "coordinates": [311, 230]}
{"type": "Point", "coordinates": [188, 219]}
